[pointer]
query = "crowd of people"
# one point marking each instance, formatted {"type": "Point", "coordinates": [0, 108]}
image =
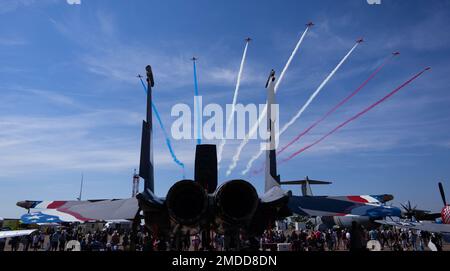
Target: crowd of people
{"type": "Point", "coordinates": [351, 239]}
{"type": "Point", "coordinates": [356, 238]}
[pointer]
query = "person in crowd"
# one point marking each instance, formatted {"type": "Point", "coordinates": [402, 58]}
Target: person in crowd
{"type": "Point", "coordinates": [14, 243]}
{"type": "Point", "coordinates": [357, 239]}
{"type": "Point", "coordinates": [62, 240]}
{"type": "Point", "coordinates": [2, 244]}
{"type": "Point", "coordinates": [54, 239]}
{"type": "Point", "coordinates": [115, 241]}
{"type": "Point", "coordinates": [126, 241]}
{"type": "Point", "coordinates": [196, 242]}
{"type": "Point", "coordinates": [35, 242]}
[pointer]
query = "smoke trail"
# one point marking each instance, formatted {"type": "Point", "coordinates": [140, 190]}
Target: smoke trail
{"type": "Point", "coordinates": [199, 116]}
{"type": "Point", "coordinates": [356, 116]}
{"type": "Point", "coordinates": [231, 116]}
{"type": "Point", "coordinates": [337, 106]}
{"type": "Point", "coordinates": [263, 113]}
{"type": "Point", "coordinates": [305, 106]}
{"type": "Point", "coordinates": [288, 63]}
{"type": "Point", "coordinates": [166, 136]}
{"type": "Point", "coordinates": [308, 102]}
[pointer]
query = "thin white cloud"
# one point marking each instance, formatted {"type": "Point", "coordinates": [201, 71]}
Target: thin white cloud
{"type": "Point", "coordinates": [11, 41]}
{"type": "Point", "coordinates": [8, 6]}
{"type": "Point", "coordinates": [108, 56]}
{"type": "Point", "coordinates": [74, 2]}
{"type": "Point", "coordinates": [71, 142]}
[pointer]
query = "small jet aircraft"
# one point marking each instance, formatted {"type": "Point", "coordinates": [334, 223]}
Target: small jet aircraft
{"type": "Point", "coordinates": [310, 24]}
{"type": "Point", "coordinates": [361, 40]}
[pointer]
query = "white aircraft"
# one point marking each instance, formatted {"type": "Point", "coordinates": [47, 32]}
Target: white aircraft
{"type": "Point", "coordinates": [10, 234]}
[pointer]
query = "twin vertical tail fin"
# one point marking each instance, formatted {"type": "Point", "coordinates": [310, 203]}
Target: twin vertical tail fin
{"type": "Point", "coordinates": [272, 179]}
{"type": "Point", "coordinates": [146, 165]}
{"type": "Point", "coordinates": [146, 170]}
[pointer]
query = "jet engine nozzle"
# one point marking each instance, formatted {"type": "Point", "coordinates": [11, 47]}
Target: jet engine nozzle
{"type": "Point", "coordinates": [236, 201]}
{"type": "Point", "coordinates": [187, 202]}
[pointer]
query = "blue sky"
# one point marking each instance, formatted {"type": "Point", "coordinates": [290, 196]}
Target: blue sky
{"type": "Point", "coordinates": [70, 101]}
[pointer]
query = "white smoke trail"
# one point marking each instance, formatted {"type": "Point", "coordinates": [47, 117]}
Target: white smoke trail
{"type": "Point", "coordinates": [288, 63]}
{"type": "Point", "coordinates": [252, 160]}
{"type": "Point", "coordinates": [304, 107]}
{"type": "Point", "coordinates": [262, 114]}
{"type": "Point", "coordinates": [308, 102]}
{"type": "Point", "coordinates": [233, 105]}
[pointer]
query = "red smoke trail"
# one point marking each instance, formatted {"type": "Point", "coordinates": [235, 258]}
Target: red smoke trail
{"type": "Point", "coordinates": [345, 100]}
{"type": "Point", "coordinates": [337, 106]}
{"type": "Point", "coordinates": [355, 116]}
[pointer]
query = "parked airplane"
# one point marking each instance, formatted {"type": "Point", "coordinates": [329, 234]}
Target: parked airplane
{"type": "Point", "coordinates": [11, 234]}
{"type": "Point", "coordinates": [410, 212]}
{"type": "Point", "coordinates": [442, 225]}
{"type": "Point", "coordinates": [327, 212]}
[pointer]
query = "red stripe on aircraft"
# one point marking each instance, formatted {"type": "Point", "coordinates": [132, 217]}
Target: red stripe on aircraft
{"type": "Point", "coordinates": [56, 204]}
{"type": "Point", "coordinates": [357, 199]}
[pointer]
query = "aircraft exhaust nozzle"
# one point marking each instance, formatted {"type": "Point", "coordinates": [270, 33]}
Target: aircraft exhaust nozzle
{"type": "Point", "coordinates": [236, 201]}
{"type": "Point", "coordinates": [187, 202]}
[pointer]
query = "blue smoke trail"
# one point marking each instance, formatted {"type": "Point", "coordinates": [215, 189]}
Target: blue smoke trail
{"type": "Point", "coordinates": [168, 143]}
{"type": "Point", "coordinates": [199, 134]}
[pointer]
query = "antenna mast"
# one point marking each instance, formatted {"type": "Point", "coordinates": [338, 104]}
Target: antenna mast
{"type": "Point", "coordinates": [81, 186]}
{"type": "Point", "coordinates": [135, 190]}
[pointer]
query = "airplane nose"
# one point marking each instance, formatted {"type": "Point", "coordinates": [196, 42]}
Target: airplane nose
{"type": "Point", "coordinates": [26, 204]}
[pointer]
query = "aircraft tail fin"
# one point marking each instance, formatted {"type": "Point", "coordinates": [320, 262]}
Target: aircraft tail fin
{"type": "Point", "coordinates": [272, 179]}
{"type": "Point", "coordinates": [305, 185]}
{"type": "Point", "coordinates": [81, 187]}
{"type": "Point", "coordinates": [146, 170]}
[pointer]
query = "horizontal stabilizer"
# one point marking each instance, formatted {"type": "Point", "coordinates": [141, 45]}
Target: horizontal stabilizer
{"type": "Point", "coordinates": [306, 189]}
{"type": "Point", "coordinates": [299, 182]}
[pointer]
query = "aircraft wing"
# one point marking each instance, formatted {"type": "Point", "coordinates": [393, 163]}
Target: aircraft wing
{"type": "Point", "coordinates": [431, 227]}
{"type": "Point", "coordinates": [82, 211]}
{"type": "Point", "coordinates": [340, 206]}
{"type": "Point", "coordinates": [10, 234]}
